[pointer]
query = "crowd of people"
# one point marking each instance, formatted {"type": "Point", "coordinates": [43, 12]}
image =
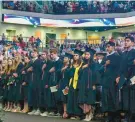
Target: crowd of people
{"type": "Point", "coordinates": [71, 7]}
{"type": "Point", "coordinates": [19, 41]}
{"type": "Point", "coordinates": [71, 85]}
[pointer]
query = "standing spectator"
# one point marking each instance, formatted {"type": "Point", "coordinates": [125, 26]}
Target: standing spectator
{"type": "Point", "coordinates": [32, 40]}
{"type": "Point", "coordinates": [3, 37]}
{"type": "Point", "coordinates": [37, 42]}
{"type": "Point", "coordinates": [20, 39]}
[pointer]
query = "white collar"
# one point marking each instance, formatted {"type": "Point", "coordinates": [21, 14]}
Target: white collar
{"type": "Point", "coordinates": [34, 59]}
{"type": "Point", "coordinates": [57, 58]}
{"type": "Point", "coordinates": [110, 53]}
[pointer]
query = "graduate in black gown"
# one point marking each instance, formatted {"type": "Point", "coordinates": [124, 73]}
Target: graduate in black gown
{"type": "Point", "coordinates": [26, 77]}
{"type": "Point", "coordinates": [125, 74]}
{"type": "Point", "coordinates": [87, 85]}
{"type": "Point", "coordinates": [55, 79]}
{"type": "Point", "coordinates": [18, 65]}
{"type": "Point", "coordinates": [111, 68]}
{"type": "Point", "coordinates": [10, 85]}
{"type": "Point", "coordinates": [73, 109]}
{"type": "Point", "coordinates": [35, 84]}
{"type": "Point", "coordinates": [45, 100]}
{"type": "Point", "coordinates": [4, 83]}
{"type": "Point", "coordinates": [100, 61]}
{"type": "Point", "coordinates": [64, 82]}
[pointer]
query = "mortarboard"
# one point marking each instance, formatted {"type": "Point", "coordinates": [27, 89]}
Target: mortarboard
{"type": "Point", "coordinates": [101, 53]}
{"type": "Point", "coordinates": [68, 55]}
{"type": "Point", "coordinates": [91, 51]}
{"type": "Point", "coordinates": [131, 38]}
{"type": "Point", "coordinates": [110, 43]}
{"type": "Point", "coordinates": [79, 52]}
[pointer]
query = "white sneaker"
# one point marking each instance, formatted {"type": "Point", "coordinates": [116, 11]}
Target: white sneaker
{"type": "Point", "coordinates": [37, 112]}
{"type": "Point", "coordinates": [32, 112]}
{"type": "Point", "coordinates": [51, 114]}
{"type": "Point", "coordinates": [58, 115]}
{"type": "Point", "coordinates": [44, 114]}
{"type": "Point", "coordinates": [89, 117]}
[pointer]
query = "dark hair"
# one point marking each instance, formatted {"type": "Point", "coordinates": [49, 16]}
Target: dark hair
{"type": "Point", "coordinates": [27, 57]}
{"type": "Point", "coordinates": [78, 61]}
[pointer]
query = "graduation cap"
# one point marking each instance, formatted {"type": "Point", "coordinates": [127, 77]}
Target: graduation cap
{"type": "Point", "coordinates": [101, 53]}
{"type": "Point", "coordinates": [70, 56]}
{"type": "Point", "coordinates": [91, 51]}
{"type": "Point", "coordinates": [110, 43]}
{"type": "Point", "coordinates": [79, 52]}
{"type": "Point", "coordinates": [131, 38]}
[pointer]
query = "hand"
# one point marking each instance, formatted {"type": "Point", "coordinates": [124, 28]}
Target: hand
{"type": "Point", "coordinates": [64, 68]}
{"type": "Point", "coordinates": [24, 83]}
{"type": "Point", "coordinates": [94, 87]}
{"type": "Point", "coordinates": [46, 86]}
{"type": "Point", "coordinates": [30, 69]}
{"type": "Point", "coordinates": [134, 61]}
{"type": "Point", "coordinates": [52, 70]}
{"type": "Point", "coordinates": [71, 61]}
{"type": "Point", "coordinates": [44, 66]}
{"type": "Point", "coordinates": [107, 62]}
{"type": "Point", "coordinates": [117, 80]}
{"type": "Point", "coordinates": [15, 75]}
{"type": "Point", "coordinates": [85, 66]}
{"type": "Point", "coordinates": [23, 72]}
{"type": "Point", "coordinates": [57, 86]}
{"type": "Point", "coordinates": [66, 87]}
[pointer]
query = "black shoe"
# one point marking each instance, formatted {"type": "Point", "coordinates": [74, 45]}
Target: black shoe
{"type": "Point", "coordinates": [117, 119]}
{"type": "Point", "coordinates": [124, 120]}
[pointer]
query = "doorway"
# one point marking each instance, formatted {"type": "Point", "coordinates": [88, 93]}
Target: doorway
{"type": "Point", "coordinates": [10, 34]}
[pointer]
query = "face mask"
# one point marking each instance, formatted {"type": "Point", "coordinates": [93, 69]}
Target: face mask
{"type": "Point", "coordinates": [100, 60]}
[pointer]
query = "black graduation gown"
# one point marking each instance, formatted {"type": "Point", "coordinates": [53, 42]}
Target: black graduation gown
{"type": "Point", "coordinates": [132, 91]}
{"type": "Point", "coordinates": [18, 83]}
{"type": "Point", "coordinates": [26, 78]}
{"type": "Point", "coordinates": [64, 82]}
{"type": "Point", "coordinates": [5, 87]}
{"type": "Point", "coordinates": [72, 103]}
{"type": "Point", "coordinates": [46, 98]}
{"type": "Point", "coordinates": [99, 77]}
{"type": "Point", "coordinates": [86, 93]}
{"type": "Point", "coordinates": [126, 72]}
{"type": "Point", "coordinates": [109, 83]}
{"type": "Point", "coordinates": [54, 80]}
{"type": "Point", "coordinates": [35, 84]}
{"type": "Point", "coordinates": [10, 88]}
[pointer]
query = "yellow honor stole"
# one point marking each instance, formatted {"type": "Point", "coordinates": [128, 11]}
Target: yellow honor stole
{"type": "Point", "coordinates": [75, 79]}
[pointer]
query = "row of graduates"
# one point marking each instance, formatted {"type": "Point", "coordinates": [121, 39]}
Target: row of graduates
{"type": "Point", "coordinates": [75, 80]}
{"type": "Point", "coordinates": [31, 80]}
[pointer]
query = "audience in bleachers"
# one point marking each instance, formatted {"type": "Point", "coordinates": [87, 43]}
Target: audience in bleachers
{"type": "Point", "coordinates": [71, 7]}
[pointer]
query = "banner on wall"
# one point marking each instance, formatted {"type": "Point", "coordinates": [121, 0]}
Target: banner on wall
{"type": "Point", "coordinates": [99, 22]}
